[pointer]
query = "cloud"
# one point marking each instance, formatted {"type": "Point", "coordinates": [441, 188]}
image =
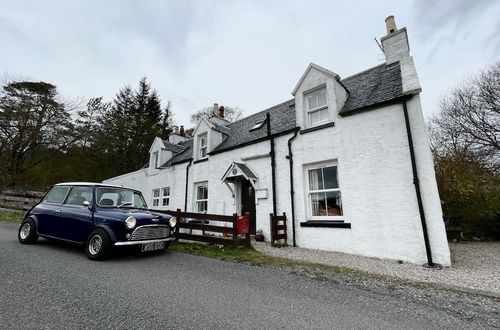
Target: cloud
{"type": "Point", "coordinates": [248, 54]}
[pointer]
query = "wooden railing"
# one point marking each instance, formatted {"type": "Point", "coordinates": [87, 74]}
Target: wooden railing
{"type": "Point", "coordinates": [201, 222]}
{"type": "Point", "coordinates": [276, 228]}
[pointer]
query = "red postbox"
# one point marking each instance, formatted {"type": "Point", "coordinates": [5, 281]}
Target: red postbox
{"type": "Point", "coordinates": [242, 225]}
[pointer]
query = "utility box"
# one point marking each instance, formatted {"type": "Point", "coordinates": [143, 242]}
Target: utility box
{"type": "Point", "coordinates": [242, 225]}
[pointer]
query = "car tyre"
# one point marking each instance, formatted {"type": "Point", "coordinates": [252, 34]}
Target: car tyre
{"type": "Point", "coordinates": [98, 245]}
{"type": "Point", "coordinates": [27, 232]}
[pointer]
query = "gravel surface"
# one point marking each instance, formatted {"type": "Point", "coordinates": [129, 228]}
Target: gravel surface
{"type": "Point", "coordinates": [475, 265]}
{"type": "Point", "coordinates": [50, 285]}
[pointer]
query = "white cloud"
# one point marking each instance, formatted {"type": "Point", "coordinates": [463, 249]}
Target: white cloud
{"type": "Point", "coordinates": [241, 53]}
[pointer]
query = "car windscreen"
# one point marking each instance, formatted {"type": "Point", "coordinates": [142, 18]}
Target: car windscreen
{"type": "Point", "coordinates": [119, 197]}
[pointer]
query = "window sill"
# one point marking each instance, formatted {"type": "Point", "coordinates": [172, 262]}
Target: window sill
{"type": "Point", "coordinates": [200, 160]}
{"type": "Point", "coordinates": [316, 128]}
{"type": "Point", "coordinates": [326, 224]}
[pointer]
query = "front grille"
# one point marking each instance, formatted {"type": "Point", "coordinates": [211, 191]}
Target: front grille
{"type": "Point", "coordinates": [150, 232]}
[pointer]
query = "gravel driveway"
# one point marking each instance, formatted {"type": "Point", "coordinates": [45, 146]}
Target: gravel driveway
{"type": "Point", "coordinates": [475, 265]}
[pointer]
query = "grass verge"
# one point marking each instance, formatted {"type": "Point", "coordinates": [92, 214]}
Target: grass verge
{"type": "Point", "coordinates": [248, 255]}
{"type": "Point", "coordinates": [11, 216]}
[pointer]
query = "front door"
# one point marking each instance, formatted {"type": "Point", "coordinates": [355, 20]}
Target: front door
{"type": "Point", "coordinates": [248, 203]}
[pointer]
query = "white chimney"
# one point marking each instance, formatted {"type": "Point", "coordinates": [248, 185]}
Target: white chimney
{"type": "Point", "coordinates": [397, 49]}
{"type": "Point", "coordinates": [177, 136]}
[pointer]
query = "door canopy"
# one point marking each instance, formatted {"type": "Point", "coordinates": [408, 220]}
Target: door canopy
{"type": "Point", "coordinates": [239, 172]}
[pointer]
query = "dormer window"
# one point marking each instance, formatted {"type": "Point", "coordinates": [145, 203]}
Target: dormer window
{"type": "Point", "coordinates": [203, 148]}
{"type": "Point", "coordinates": [317, 108]}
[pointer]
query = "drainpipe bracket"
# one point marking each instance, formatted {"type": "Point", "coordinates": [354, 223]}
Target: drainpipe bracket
{"type": "Point", "coordinates": [433, 266]}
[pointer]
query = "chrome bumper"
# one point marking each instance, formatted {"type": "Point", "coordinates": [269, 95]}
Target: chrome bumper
{"type": "Point", "coordinates": [145, 241]}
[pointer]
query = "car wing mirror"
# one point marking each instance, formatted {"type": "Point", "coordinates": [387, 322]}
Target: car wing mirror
{"type": "Point", "coordinates": [86, 204]}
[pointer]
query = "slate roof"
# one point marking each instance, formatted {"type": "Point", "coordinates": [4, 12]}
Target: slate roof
{"type": "Point", "coordinates": [371, 87]}
{"type": "Point", "coordinates": [172, 146]}
{"type": "Point", "coordinates": [367, 89]}
{"type": "Point", "coordinates": [184, 155]}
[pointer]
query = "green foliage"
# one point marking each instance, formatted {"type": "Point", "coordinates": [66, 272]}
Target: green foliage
{"type": "Point", "coordinates": [44, 141]}
{"type": "Point", "coordinates": [32, 119]}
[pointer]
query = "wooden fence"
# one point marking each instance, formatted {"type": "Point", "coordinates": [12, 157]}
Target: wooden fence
{"type": "Point", "coordinates": [19, 200]}
{"type": "Point", "coordinates": [201, 222]}
{"type": "Point", "coordinates": [276, 228]}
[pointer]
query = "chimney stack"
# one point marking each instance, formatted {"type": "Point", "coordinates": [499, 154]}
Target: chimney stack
{"type": "Point", "coordinates": [181, 131]}
{"type": "Point", "coordinates": [221, 111]}
{"type": "Point", "coordinates": [395, 43]}
{"type": "Point", "coordinates": [390, 24]}
{"type": "Point", "coordinates": [215, 108]}
{"type": "Point", "coordinates": [397, 49]}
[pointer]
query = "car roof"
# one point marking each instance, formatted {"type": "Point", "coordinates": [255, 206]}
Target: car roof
{"type": "Point", "coordinates": [91, 184]}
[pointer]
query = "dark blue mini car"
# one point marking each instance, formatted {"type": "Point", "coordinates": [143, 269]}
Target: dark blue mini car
{"type": "Point", "coordinates": [99, 216]}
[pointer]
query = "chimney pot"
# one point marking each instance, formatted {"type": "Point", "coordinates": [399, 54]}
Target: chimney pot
{"type": "Point", "coordinates": [390, 24]}
{"type": "Point", "coordinates": [221, 111]}
{"type": "Point", "coordinates": [181, 131]}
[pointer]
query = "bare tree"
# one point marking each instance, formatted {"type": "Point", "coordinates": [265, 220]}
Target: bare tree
{"type": "Point", "coordinates": [469, 121]}
{"type": "Point", "coordinates": [231, 114]}
{"type": "Point", "coordinates": [464, 139]}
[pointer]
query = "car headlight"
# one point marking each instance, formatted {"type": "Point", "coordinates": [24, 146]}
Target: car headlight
{"type": "Point", "coordinates": [172, 221]}
{"type": "Point", "coordinates": [130, 222]}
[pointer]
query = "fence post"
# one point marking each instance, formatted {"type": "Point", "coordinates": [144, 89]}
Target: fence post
{"type": "Point", "coordinates": [271, 223]}
{"type": "Point", "coordinates": [235, 216]}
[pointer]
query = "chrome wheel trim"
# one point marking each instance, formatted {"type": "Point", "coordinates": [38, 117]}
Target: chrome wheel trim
{"type": "Point", "coordinates": [25, 231]}
{"type": "Point", "coordinates": [95, 244]}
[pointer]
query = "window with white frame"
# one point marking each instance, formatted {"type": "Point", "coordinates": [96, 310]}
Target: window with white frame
{"type": "Point", "coordinates": [317, 108]}
{"type": "Point", "coordinates": [155, 159]}
{"type": "Point", "coordinates": [201, 197]}
{"type": "Point", "coordinates": [165, 196]}
{"type": "Point", "coordinates": [202, 145]}
{"type": "Point", "coordinates": [156, 197]}
{"type": "Point", "coordinates": [324, 192]}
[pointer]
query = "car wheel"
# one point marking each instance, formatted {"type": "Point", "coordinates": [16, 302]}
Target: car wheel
{"type": "Point", "coordinates": [98, 245]}
{"type": "Point", "coordinates": [27, 232]}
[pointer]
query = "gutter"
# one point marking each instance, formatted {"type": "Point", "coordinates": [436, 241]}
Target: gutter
{"type": "Point", "coordinates": [273, 160]}
{"type": "Point", "coordinates": [430, 263]}
{"type": "Point", "coordinates": [292, 192]}
{"type": "Point", "coordinates": [187, 181]}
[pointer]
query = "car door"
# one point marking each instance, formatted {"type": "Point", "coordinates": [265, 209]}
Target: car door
{"type": "Point", "coordinates": [48, 209]}
{"type": "Point", "coordinates": [75, 217]}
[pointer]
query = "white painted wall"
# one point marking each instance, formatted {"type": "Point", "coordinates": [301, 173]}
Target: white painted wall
{"type": "Point", "coordinates": [374, 173]}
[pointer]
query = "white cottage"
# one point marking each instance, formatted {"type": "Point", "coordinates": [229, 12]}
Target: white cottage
{"type": "Point", "coordinates": [347, 159]}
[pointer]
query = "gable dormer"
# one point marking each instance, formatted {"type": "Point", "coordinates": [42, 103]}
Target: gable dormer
{"type": "Point", "coordinates": [319, 96]}
{"type": "Point", "coordinates": [206, 137]}
{"type": "Point", "coordinates": [158, 155]}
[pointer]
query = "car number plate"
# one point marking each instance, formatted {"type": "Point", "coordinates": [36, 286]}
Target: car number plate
{"type": "Point", "coordinates": [153, 246]}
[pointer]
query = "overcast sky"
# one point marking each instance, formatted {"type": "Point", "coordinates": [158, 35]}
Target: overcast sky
{"type": "Point", "coordinates": [248, 54]}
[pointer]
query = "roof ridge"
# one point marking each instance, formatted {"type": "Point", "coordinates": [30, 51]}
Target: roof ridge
{"type": "Point", "coordinates": [361, 72]}
{"type": "Point", "coordinates": [265, 110]}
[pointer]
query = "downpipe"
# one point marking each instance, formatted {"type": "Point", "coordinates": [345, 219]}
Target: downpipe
{"type": "Point", "coordinates": [292, 192]}
{"type": "Point", "coordinates": [187, 182]}
{"type": "Point", "coordinates": [416, 183]}
{"type": "Point", "coordinates": [273, 161]}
